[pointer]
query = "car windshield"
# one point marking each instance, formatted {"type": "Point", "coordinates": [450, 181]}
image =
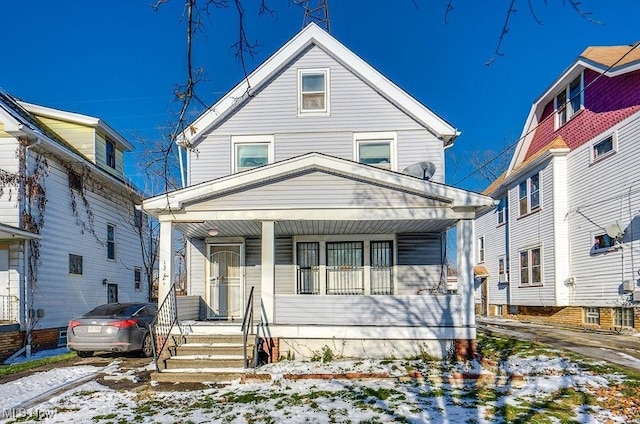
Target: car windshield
{"type": "Point", "coordinates": [113, 310]}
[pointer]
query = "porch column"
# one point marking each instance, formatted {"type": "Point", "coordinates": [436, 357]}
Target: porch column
{"type": "Point", "coordinates": [465, 268]}
{"type": "Point", "coordinates": [165, 259]}
{"type": "Point", "coordinates": [268, 261]}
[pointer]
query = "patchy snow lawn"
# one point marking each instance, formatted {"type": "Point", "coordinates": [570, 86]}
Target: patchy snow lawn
{"type": "Point", "coordinates": [539, 386]}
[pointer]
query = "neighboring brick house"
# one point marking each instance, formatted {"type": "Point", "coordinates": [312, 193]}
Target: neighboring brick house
{"type": "Point", "coordinates": [563, 244]}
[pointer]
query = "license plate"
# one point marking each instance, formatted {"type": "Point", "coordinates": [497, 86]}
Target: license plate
{"type": "Point", "coordinates": [94, 329]}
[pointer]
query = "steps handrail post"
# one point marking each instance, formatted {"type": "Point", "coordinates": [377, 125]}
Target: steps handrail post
{"type": "Point", "coordinates": [166, 318]}
{"type": "Point", "coordinates": [247, 323]}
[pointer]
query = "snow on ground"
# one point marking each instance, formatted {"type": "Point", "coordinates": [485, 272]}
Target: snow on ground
{"type": "Point", "coordinates": [284, 399]}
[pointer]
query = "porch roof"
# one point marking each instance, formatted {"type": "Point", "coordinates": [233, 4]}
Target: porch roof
{"type": "Point", "coordinates": [316, 194]}
{"type": "Point", "coordinates": [10, 232]}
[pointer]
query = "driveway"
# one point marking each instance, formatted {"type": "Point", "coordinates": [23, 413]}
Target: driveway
{"type": "Point", "coordinates": [618, 348]}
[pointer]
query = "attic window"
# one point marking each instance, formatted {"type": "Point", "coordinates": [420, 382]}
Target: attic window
{"type": "Point", "coordinates": [569, 101]}
{"type": "Point", "coordinates": [110, 158]}
{"type": "Point", "coordinates": [313, 91]}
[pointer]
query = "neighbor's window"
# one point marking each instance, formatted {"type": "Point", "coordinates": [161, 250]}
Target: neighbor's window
{"type": "Point", "coordinates": [376, 149]}
{"type": "Point", "coordinates": [530, 267]}
{"type": "Point", "coordinates": [569, 101]}
{"type": "Point", "coordinates": [623, 317]}
{"type": "Point", "coordinates": [592, 316]}
{"type": "Point", "coordinates": [603, 242]}
{"type": "Point", "coordinates": [111, 241]}
{"type": "Point", "coordinates": [251, 151]}
{"type": "Point", "coordinates": [502, 271]}
{"type": "Point", "coordinates": [502, 211]}
{"type": "Point", "coordinates": [481, 249]}
{"type": "Point", "coordinates": [603, 148]}
{"type": "Point", "coordinates": [75, 264]}
{"type": "Point", "coordinates": [110, 158]}
{"type": "Point", "coordinates": [137, 278]}
{"type": "Point", "coordinates": [529, 194]}
{"type": "Point", "coordinates": [313, 91]}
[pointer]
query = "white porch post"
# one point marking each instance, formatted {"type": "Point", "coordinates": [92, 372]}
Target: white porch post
{"type": "Point", "coordinates": [465, 268]}
{"type": "Point", "coordinates": [268, 261]}
{"type": "Point", "coordinates": [165, 260]}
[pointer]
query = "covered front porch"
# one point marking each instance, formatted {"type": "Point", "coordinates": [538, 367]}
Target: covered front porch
{"type": "Point", "coordinates": [362, 265]}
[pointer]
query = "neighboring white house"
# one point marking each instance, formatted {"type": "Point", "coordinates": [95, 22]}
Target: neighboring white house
{"type": "Point", "coordinates": [69, 238]}
{"type": "Point", "coordinates": [296, 189]}
{"type": "Point", "coordinates": [562, 244]}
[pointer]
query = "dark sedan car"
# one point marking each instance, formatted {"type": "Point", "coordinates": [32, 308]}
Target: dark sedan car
{"type": "Point", "coordinates": [113, 327]}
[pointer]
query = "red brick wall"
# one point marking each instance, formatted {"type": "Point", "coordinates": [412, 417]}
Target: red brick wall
{"type": "Point", "coordinates": [606, 102]}
{"type": "Point", "coordinates": [44, 339]}
{"type": "Point", "coordinates": [10, 342]}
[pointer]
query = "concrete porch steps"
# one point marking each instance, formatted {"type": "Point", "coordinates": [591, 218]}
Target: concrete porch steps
{"type": "Point", "coordinates": [202, 356]}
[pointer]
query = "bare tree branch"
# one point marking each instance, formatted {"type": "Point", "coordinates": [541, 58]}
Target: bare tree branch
{"type": "Point", "coordinates": [505, 30]}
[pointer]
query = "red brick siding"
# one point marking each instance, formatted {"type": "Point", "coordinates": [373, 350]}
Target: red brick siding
{"type": "Point", "coordinates": [44, 339]}
{"type": "Point", "coordinates": [10, 342]}
{"type": "Point", "coordinates": [607, 102]}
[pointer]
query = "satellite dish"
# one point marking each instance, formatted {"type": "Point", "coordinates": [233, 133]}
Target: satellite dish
{"type": "Point", "coordinates": [613, 230]}
{"type": "Point", "coordinates": [424, 170]}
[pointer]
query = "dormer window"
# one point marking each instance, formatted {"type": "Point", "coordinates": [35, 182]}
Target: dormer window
{"type": "Point", "coordinates": [251, 151]}
{"type": "Point", "coordinates": [313, 91]}
{"type": "Point", "coordinates": [569, 102]}
{"type": "Point", "coordinates": [110, 157]}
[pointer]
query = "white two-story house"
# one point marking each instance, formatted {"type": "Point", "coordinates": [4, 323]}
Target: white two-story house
{"type": "Point", "coordinates": [296, 189]}
{"type": "Point", "coordinates": [562, 242]}
{"type": "Point", "coordinates": [70, 236]}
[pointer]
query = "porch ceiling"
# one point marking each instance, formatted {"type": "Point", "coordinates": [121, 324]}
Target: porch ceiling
{"type": "Point", "coordinates": [252, 228]}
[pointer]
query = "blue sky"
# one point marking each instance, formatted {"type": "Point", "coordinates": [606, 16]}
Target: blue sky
{"type": "Point", "coordinates": [120, 61]}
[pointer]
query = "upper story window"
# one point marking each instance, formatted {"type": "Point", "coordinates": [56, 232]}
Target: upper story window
{"type": "Point", "coordinates": [501, 209]}
{"type": "Point", "coordinates": [251, 151]}
{"type": "Point", "coordinates": [603, 243]}
{"type": "Point", "coordinates": [137, 278]}
{"type": "Point", "coordinates": [376, 149]}
{"type": "Point", "coordinates": [569, 101]}
{"type": "Point", "coordinates": [502, 270]}
{"type": "Point", "coordinates": [530, 267]}
{"type": "Point", "coordinates": [313, 91]}
{"type": "Point", "coordinates": [604, 148]}
{"type": "Point", "coordinates": [75, 264]}
{"type": "Point", "coordinates": [111, 241]}
{"type": "Point", "coordinates": [110, 157]}
{"type": "Point", "coordinates": [529, 195]}
{"type": "Point", "coordinates": [481, 250]}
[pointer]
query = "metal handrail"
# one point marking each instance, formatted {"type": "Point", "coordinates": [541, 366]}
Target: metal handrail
{"type": "Point", "coordinates": [163, 323]}
{"type": "Point", "coordinates": [247, 326]}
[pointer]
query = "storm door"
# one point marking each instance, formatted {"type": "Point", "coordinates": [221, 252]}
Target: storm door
{"type": "Point", "coordinates": [224, 283]}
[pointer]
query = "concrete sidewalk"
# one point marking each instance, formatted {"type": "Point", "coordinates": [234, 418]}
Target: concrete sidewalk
{"type": "Point", "coordinates": [619, 348]}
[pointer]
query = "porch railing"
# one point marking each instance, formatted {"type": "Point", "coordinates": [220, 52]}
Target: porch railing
{"type": "Point", "coordinates": [345, 280]}
{"type": "Point", "coordinates": [247, 328]}
{"type": "Point", "coordinates": [164, 322]}
{"type": "Point", "coordinates": [308, 281]}
{"type": "Point", "coordinates": [381, 280]}
{"type": "Point", "coordinates": [9, 308]}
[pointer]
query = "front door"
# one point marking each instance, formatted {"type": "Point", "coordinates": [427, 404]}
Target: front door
{"type": "Point", "coordinates": [224, 283]}
{"type": "Point", "coordinates": [484, 290]}
{"type": "Point", "coordinates": [112, 293]}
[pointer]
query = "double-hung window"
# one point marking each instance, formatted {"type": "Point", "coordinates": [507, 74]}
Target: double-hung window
{"type": "Point", "coordinates": [111, 241]}
{"type": "Point", "coordinates": [529, 195]}
{"type": "Point", "coordinates": [137, 278]}
{"type": "Point", "coordinates": [502, 211]}
{"type": "Point", "coordinates": [480, 249]}
{"type": "Point", "coordinates": [377, 149]}
{"type": "Point", "coordinates": [502, 271]}
{"type": "Point", "coordinates": [251, 151]}
{"type": "Point", "coordinates": [110, 154]}
{"type": "Point", "coordinates": [530, 267]}
{"type": "Point", "coordinates": [569, 101]}
{"type": "Point", "coordinates": [313, 91]}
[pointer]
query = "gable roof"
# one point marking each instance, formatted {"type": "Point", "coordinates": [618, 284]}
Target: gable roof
{"type": "Point", "coordinates": [610, 61]}
{"type": "Point", "coordinates": [312, 34]}
{"type": "Point", "coordinates": [452, 196]}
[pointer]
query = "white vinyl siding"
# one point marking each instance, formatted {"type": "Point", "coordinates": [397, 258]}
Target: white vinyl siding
{"type": "Point", "coordinates": [600, 197]}
{"type": "Point", "coordinates": [84, 235]}
{"type": "Point", "coordinates": [495, 248]}
{"type": "Point", "coordinates": [355, 107]}
{"type": "Point", "coordinates": [9, 210]}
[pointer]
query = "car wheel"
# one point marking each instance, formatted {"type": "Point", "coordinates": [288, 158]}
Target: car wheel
{"type": "Point", "coordinates": [84, 353]}
{"type": "Point", "coordinates": [147, 348]}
